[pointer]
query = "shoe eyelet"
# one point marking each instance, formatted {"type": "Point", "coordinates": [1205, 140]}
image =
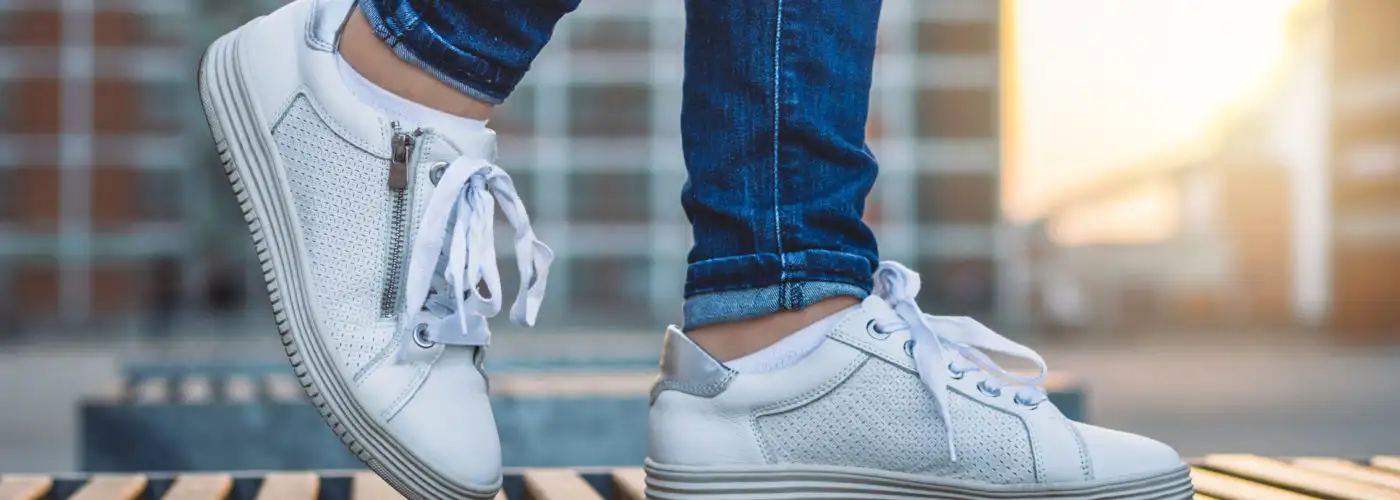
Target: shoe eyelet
{"type": "Point", "coordinates": [1026, 404]}
{"type": "Point", "coordinates": [957, 375]}
{"type": "Point", "coordinates": [982, 386]}
{"type": "Point", "coordinates": [435, 173]}
{"type": "Point", "coordinates": [909, 348]}
{"type": "Point", "coordinates": [420, 336]}
{"type": "Point", "coordinates": [876, 332]}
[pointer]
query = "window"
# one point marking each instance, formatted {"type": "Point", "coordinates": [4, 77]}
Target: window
{"type": "Point", "coordinates": [958, 287]}
{"type": "Point", "coordinates": [35, 283]}
{"type": "Point", "coordinates": [161, 104]}
{"type": "Point", "coordinates": [8, 193]}
{"type": "Point", "coordinates": [8, 98]}
{"type": "Point", "coordinates": [113, 197]}
{"type": "Point", "coordinates": [112, 287]}
{"type": "Point", "coordinates": [609, 283]}
{"type": "Point", "coordinates": [35, 196]}
{"type": "Point", "coordinates": [525, 179]}
{"type": "Point", "coordinates": [30, 106]}
{"type": "Point", "coordinates": [963, 113]}
{"type": "Point", "coordinates": [516, 117]}
{"type": "Point", "coordinates": [618, 197]}
{"type": "Point", "coordinates": [610, 111]}
{"type": "Point", "coordinates": [943, 37]}
{"type": "Point", "coordinates": [160, 195]}
{"type": "Point", "coordinates": [28, 28]}
{"type": "Point", "coordinates": [958, 198]}
{"type": "Point", "coordinates": [128, 28]}
{"type": "Point", "coordinates": [611, 35]}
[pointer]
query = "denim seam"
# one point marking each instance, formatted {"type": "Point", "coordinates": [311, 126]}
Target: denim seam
{"type": "Point", "coordinates": [738, 287]}
{"type": "Point", "coordinates": [777, 121]}
{"type": "Point", "coordinates": [464, 87]}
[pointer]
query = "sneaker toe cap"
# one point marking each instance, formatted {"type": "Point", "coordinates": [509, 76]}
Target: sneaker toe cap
{"type": "Point", "coordinates": [448, 424]}
{"type": "Point", "coordinates": [1120, 454]}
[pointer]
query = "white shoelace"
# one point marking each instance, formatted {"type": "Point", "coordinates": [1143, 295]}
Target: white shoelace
{"type": "Point", "coordinates": [446, 295]}
{"type": "Point", "coordinates": [950, 346]}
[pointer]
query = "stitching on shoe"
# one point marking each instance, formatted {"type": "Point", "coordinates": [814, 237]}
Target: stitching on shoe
{"type": "Point", "coordinates": [311, 35]}
{"type": "Point", "coordinates": [801, 400]}
{"type": "Point", "coordinates": [1037, 452]}
{"type": "Point", "coordinates": [340, 131]}
{"type": "Point", "coordinates": [1085, 461]}
{"type": "Point", "coordinates": [411, 388]}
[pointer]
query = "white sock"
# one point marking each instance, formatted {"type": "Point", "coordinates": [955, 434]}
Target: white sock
{"type": "Point", "coordinates": [403, 110]}
{"type": "Point", "coordinates": [790, 349]}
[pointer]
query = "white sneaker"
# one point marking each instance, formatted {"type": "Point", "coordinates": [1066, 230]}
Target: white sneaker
{"type": "Point", "coordinates": [372, 236]}
{"type": "Point", "coordinates": [895, 404]}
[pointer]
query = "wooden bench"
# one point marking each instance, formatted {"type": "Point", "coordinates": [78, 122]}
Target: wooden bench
{"type": "Point", "coordinates": [1250, 477]}
{"type": "Point", "coordinates": [526, 484]}
{"type": "Point", "coordinates": [1216, 477]}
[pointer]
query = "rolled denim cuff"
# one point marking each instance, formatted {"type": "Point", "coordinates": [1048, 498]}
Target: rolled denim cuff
{"type": "Point", "coordinates": [415, 43]}
{"type": "Point", "coordinates": [719, 307]}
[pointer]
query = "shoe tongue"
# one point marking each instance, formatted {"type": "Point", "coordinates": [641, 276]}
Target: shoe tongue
{"type": "Point", "coordinates": [878, 308]}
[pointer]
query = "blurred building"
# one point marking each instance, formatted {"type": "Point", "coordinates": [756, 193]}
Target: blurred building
{"type": "Point", "coordinates": [1365, 173]}
{"type": "Point", "coordinates": [94, 156]}
{"type": "Point", "coordinates": [110, 203]}
{"type": "Point", "coordinates": [1292, 218]}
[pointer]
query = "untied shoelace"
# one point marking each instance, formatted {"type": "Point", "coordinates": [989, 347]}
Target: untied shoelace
{"type": "Point", "coordinates": [948, 345]}
{"type": "Point", "coordinates": [458, 294]}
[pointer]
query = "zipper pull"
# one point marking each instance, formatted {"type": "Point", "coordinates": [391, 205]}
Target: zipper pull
{"type": "Point", "coordinates": [402, 151]}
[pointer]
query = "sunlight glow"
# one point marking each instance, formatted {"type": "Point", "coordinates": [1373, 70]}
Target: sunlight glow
{"type": "Point", "coordinates": [1101, 85]}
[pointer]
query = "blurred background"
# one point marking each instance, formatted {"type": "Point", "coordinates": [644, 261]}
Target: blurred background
{"type": "Point", "coordinates": [1192, 206]}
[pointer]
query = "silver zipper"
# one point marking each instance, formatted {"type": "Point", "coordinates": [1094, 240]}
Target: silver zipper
{"type": "Point", "coordinates": [400, 158]}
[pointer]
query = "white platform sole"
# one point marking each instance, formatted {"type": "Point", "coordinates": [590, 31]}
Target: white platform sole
{"type": "Point", "coordinates": [669, 482]}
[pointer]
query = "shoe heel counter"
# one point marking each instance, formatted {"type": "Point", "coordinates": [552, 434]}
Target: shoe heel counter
{"type": "Point", "coordinates": [688, 368]}
{"type": "Point", "coordinates": [691, 420]}
{"type": "Point", "coordinates": [693, 430]}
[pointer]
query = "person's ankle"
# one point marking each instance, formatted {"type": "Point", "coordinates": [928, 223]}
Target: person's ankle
{"type": "Point", "coordinates": [735, 339]}
{"type": "Point", "coordinates": [370, 57]}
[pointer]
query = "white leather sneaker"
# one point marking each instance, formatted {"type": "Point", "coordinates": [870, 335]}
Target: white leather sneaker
{"type": "Point", "coordinates": [895, 404]}
{"type": "Point", "coordinates": [376, 243]}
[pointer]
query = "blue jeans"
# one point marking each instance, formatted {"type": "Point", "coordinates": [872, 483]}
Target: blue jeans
{"type": "Point", "coordinates": [776, 94]}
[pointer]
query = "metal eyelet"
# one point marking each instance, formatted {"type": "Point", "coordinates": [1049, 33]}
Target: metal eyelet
{"type": "Point", "coordinates": [982, 386]}
{"type": "Point", "coordinates": [435, 173]}
{"type": "Point", "coordinates": [909, 348]}
{"type": "Point", "coordinates": [876, 332]}
{"type": "Point", "coordinates": [1027, 404]}
{"type": "Point", "coordinates": [957, 375]}
{"type": "Point", "coordinates": [420, 336]}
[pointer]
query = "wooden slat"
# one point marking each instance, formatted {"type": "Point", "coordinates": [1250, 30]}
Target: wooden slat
{"type": "Point", "coordinates": [558, 484]}
{"type": "Point", "coordinates": [572, 384]}
{"type": "Point", "coordinates": [111, 487]}
{"type": "Point", "coordinates": [240, 389]}
{"type": "Point", "coordinates": [200, 487]}
{"type": "Point", "coordinates": [1297, 478]}
{"type": "Point", "coordinates": [1226, 487]}
{"type": "Point", "coordinates": [1351, 470]}
{"type": "Point", "coordinates": [631, 484]}
{"type": "Point", "coordinates": [369, 486]}
{"type": "Point", "coordinates": [1388, 463]}
{"type": "Point", "coordinates": [197, 390]}
{"type": "Point", "coordinates": [283, 387]}
{"type": "Point", "coordinates": [152, 391]}
{"type": "Point", "coordinates": [290, 486]}
{"type": "Point", "coordinates": [24, 487]}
